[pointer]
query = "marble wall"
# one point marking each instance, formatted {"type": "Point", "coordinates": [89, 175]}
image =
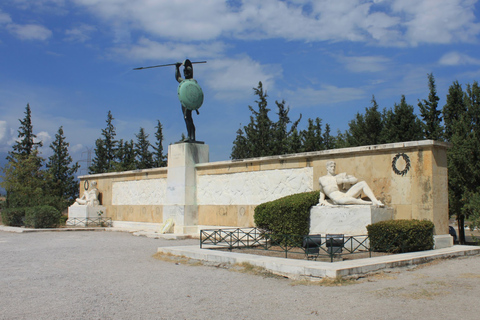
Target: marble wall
{"type": "Point", "coordinates": [410, 177]}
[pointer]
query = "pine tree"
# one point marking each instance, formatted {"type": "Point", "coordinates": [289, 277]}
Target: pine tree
{"type": "Point", "coordinates": [158, 157]}
{"type": "Point", "coordinates": [462, 121]}
{"type": "Point", "coordinates": [62, 173]}
{"type": "Point", "coordinates": [365, 129]}
{"type": "Point", "coordinates": [328, 140]}
{"type": "Point", "coordinates": [144, 155]}
{"type": "Point", "coordinates": [263, 137]}
{"type": "Point", "coordinates": [25, 181]}
{"type": "Point", "coordinates": [401, 123]}
{"type": "Point", "coordinates": [453, 109]}
{"type": "Point", "coordinates": [99, 161]}
{"type": "Point", "coordinates": [259, 131]}
{"type": "Point", "coordinates": [240, 147]}
{"type": "Point", "coordinates": [430, 113]}
{"type": "Point", "coordinates": [105, 149]}
{"type": "Point", "coordinates": [125, 156]}
{"type": "Point", "coordinates": [281, 133]}
{"type": "Point", "coordinates": [373, 124]}
{"type": "Point", "coordinates": [25, 144]}
{"type": "Point", "coordinates": [110, 144]}
{"type": "Point", "coordinates": [295, 142]}
{"type": "Point", "coordinates": [312, 138]}
{"type": "Point", "coordinates": [23, 177]}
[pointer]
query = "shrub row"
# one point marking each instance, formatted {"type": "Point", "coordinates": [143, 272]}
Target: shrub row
{"type": "Point", "coordinates": [13, 216]}
{"type": "Point", "coordinates": [289, 215]}
{"type": "Point", "coordinates": [36, 217]}
{"type": "Point", "coordinates": [396, 236]}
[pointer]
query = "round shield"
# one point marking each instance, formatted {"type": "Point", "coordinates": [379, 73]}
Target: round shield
{"type": "Point", "coordinates": [190, 94]}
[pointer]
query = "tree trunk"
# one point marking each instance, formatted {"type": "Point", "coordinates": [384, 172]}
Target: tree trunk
{"type": "Point", "coordinates": [461, 228]}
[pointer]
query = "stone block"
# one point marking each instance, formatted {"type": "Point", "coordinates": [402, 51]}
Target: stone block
{"type": "Point", "coordinates": [348, 220]}
{"type": "Point", "coordinates": [83, 212]}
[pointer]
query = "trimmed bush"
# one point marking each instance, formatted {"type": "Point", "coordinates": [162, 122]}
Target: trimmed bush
{"type": "Point", "coordinates": [289, 215]}
{"type": "Point", "coordinates": [13, 217]}
{"type": "Point", "coordinates": [397, 236]}
{"type": "Point", "coordinates": [42, 217]}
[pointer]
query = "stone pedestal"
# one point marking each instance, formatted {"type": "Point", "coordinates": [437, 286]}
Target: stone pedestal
{"type": "Point", "coordinates": [78, 215]}
{"type": "Point", "coordinates": [180, 199]}
{"type": "Point", "coordinates": [348, 220]}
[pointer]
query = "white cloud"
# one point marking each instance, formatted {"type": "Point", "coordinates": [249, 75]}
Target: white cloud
{"type": "Point", "coordinates": [234, 78]}
{"type": "Point", "coordinates": [455, 58]}
{"type": "Point", "coordinates": [29, 31]}
{"type": "Point", "coordinates": [325, 95]}
{"type": "Point", "coordinates": [182, 19]}
{"type": "Point", "coordinates": [4, 18]}
{"type": "Point", "coordinates": [147, 49]}
{"type": "Point", "coordinates": [80, 33]}
{"type": "Point", "coordinates": [364, 63]}
{"type": "Point", "coordinates": [3, 131]}
{"type": "Point", "coordinates": [438, 21]}
{"type": "Point", "coordinates": [45, 137]}
{"type": "Point", "coordinates": [389, 23]}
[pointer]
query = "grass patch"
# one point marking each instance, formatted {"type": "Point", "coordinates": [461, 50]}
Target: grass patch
{"type": "Point", "coordinates": [248, 268]}
{"type": "Point", "coordinates": [325, 282]}
{"type": "Point", "coordinates": [168, 257]}
{"type": "Point", "coordinates": [469, 275]}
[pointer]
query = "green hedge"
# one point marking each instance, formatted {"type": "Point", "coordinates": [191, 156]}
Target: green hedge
{"type": "Point", "coordinates": [289, 215]}
{"type": "Point", "coordinates": [42, 217]}
{"type": "Point", "coordinates": [13, 217]}
{"type": "Point", "coordinates": [397, 236]}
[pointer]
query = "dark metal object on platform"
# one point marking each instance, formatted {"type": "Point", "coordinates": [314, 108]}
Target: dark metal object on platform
{"type": "Point", "coordinates": [334, 243]}
{"type": "Point", "coordinates": [312, 244]}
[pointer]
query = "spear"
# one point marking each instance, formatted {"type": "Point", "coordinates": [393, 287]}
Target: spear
{"type": "Point", "coordinates": [165, 65]}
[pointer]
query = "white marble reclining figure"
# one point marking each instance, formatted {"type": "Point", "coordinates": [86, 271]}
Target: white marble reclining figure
{"type": "Point", "coordinates": [329, 187]}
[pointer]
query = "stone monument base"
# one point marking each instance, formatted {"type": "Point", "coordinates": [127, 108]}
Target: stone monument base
{"type": "Point", "coordinates": [81, 215]}
{"type": "Point", "coordinates": [349, 220]}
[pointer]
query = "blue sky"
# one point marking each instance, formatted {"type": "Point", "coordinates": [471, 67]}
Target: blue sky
{"type": "Point", "coordinates": [72, 61]}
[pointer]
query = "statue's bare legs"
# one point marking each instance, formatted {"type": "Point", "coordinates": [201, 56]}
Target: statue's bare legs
{"type": "Point", "coordinates": [351, 196]}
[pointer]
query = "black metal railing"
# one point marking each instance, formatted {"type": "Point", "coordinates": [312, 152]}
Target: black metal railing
{"type": "Point", "coordinates": [90, 222]}
{"type": "Point", "coordinates": [330, 246]}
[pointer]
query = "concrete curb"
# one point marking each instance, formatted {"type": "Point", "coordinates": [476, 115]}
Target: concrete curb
{"type": "Point", "coordinates": [30, 230]}
{"type": "Point", "coordinates": [153, 235]}
{"type": "Point", "coordinates": [299, 269]}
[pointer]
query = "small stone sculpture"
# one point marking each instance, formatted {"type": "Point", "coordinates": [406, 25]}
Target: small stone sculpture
{"type": "Point", "coordinates": [89, 197]}
{"type": "Point", "coordinates": [329, 187]}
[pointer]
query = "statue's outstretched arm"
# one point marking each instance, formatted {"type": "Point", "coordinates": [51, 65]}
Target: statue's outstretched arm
{"type": "Point", "coordinates": [178, 76]}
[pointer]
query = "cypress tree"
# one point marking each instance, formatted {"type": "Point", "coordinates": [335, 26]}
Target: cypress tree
{"type": "Point", "coordinates": [25, 144]}
{"type": "Point", "coordinates": [240, 147]}
{"type": "Point", "coordinates": [430, 113]}
{"type": "Point", "coordinates": [401, 124]}
{"type": "Point", "coordinates": [105, 149]}
{"type": "Point", "coordinates": [62, 173]}
{"type": "Point", "coordinates": [159, 158]}
{"type": "Point", "coordinates": [144, 155]}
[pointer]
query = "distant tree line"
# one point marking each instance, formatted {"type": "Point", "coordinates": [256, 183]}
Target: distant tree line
{"type": "Point", "coordinates": [457, 122]}
{"type": "Point", "coordinates": [113, 155]}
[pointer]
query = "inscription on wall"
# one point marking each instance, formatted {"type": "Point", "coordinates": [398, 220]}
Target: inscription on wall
{"type": "Point", "coordinates": [139, 192]}
{"type": "Point", "coordinates": [252, 188]}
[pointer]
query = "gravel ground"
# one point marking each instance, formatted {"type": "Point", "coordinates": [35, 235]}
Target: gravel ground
{"type": "Point", "coordinates": [113, 275]}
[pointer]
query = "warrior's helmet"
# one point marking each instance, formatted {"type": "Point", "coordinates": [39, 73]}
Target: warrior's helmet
{"type": "Point", "coordinates": [188, 69]}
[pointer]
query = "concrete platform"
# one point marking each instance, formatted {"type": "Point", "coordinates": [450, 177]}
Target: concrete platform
{"type": "Point", "coordinates": [299, 269]}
